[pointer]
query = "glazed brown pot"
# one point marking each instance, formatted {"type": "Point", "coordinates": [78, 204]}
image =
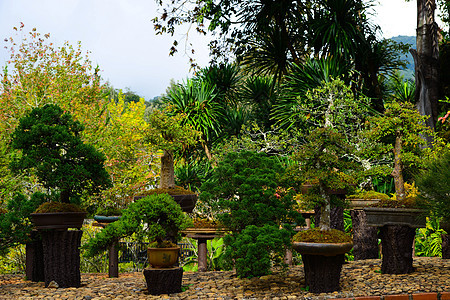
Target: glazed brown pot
{"type": "Point", "coordinates": [163, 257]}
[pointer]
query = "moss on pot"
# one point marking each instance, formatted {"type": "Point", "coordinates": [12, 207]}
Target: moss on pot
{"type": "Point", "coordinates": [410, 202]}
{"type": "Point", "coordinates": [162, 244]}
{"type": "Point", "coordinates": [368, 195]}
{"type": "Point", "coordinates": [315, 235]}
{"type": "Point", "coordinates": [53, 206]}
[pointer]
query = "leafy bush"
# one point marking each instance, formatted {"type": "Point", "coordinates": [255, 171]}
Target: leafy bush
{"type": "Point", "coordinates": [256, 249]}
{"type": "Point", "coordinates": [15, 224]}
{"type": "Point", "coordinates": [246, 193]}
{"type": "Point", "coordinates": [434, 186]}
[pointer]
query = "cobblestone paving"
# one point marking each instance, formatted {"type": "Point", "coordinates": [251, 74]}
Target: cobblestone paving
{"type": "Point", "coordinates": [360, 278]}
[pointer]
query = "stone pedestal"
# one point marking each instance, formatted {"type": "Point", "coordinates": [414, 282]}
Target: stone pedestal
{"type": "Point", "coordinates": [446, 246]}
{"type": "Point", "coordinates": [164, 280]}
{"type": "Point", "coordinates": [365, 238]}
{"type": "Point", "coordinates": [322, 273]}
{"type": "Point", "coordinates": [35, 258]}
{"type": "Point", "coordinates": [62, 257]}
{"type": "Point", "coordinates": [397, 242]}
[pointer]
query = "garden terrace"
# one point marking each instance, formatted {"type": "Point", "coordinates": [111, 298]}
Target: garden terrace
{"type": "Point", "coordinates": [431, 280]}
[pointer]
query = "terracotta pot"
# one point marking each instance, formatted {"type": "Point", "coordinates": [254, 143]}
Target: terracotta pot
{"type": "Point", "coordinates": [162, 257]}
{"type": "Point", "coordinates": [58, 220]}
{"type": "Point", "coordinates": [380, 216]}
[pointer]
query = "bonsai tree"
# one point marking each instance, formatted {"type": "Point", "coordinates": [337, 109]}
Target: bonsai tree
{"type": "Point", "coordinates": [402, 130]}
{"type": "Point", "coordinates": [51, 146]}
{"type": "Point", "coordinates": [155, 218]}
{"type": "Point", "coordinates": [245, 192]}
{"type": "Point", "coordinates": [324, 161]}
{"type": "Point", "coordinates": [170, 134]}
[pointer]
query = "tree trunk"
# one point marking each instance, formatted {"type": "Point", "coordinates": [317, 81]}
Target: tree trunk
{"type": "Point", "coordinates": [365, 238]}
{"type": "Point", "coordinates": [336, 215]}
{"type": "Point", "coordinates": [397, 243]}
{"type": "Point", "coordinates": [398, 166]}
{"type": "Point", "coordinates": [426, 62]}
{"type": "Point", "coordinates": [167, 179]}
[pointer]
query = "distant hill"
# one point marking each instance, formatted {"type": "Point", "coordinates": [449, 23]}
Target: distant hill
{"type": "Point", "coordinates": [411, 40]}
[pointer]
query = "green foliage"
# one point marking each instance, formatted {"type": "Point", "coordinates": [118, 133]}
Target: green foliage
{"type": "Point", "coordinates": [215, 252]}
{"type": "Point", "coordinates": [255, 249]}
{"type": "Point", "coordinates": [154, 218]}
{"type": "Point", "coordinates": [245, 185]}
{"type": "Point", "coordinates": [13, 262]}
{"type": "Point", "coordinates": [428, 240]}
{"type": "Point", "coordinates": [170, 133]}
{"type": "Point", "coordinates": [434, 185]}
{"type": "Point", "coordinates": [51, 145]}
{"type": "Point", "coordinates": [244, 190]}
{"type": "Point", "coordinates": [15, 224]}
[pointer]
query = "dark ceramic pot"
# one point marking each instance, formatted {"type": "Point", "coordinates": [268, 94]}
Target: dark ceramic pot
{"type": "Point", "coordinates": [58, 220]}
{"type": "Point", "coordinates": [322, 264]}
{"type": "Point", "coordinates": [105, 219]}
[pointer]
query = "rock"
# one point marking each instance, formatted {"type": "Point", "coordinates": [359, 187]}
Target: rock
{"type": "Point", "coordinates": [53, 284]}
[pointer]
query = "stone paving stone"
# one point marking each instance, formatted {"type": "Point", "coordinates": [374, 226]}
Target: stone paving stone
{"type": "Point", "coordinates": [358, 279]}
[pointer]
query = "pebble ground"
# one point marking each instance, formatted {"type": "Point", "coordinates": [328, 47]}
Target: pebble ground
{"type": "Point", "coordinates": [358, 279]}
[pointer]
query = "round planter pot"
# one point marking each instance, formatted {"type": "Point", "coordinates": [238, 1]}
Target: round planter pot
{"type": "Point", "coordinates": [163, 257]}
{"type": "Point", "coordinates": [58, 220]}
{"type": "Point", "coordinates": [322, 264]}
{"type": "Point", "coordinates": [325, 249]}
{"type": "Point", "coordinates": [380, 216]}
{"type": "Point", "coordinates": [361, 203]}
{"type": "Point", "coordinates": [105, 219]}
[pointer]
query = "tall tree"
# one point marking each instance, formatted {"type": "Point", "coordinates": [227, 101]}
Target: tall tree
{"type": "Point", "coordinates": [426, 62]}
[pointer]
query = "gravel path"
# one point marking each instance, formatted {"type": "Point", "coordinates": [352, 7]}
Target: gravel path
{"type": "Point", "coordinates": [360, 278]}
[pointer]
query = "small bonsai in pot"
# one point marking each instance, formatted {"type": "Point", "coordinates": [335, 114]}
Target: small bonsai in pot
{"type": "Point", "coordinates": [170, 134]}
{"type": "Point", "coordinates": [323, 160]}
{"type": "Point", "coordinates": [157, 219]}
{"type": "Point", "coordinates": [51, 147]}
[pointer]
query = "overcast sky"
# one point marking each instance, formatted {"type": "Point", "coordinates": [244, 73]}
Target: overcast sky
{"type": "Point", "coordinates": [120, 36]}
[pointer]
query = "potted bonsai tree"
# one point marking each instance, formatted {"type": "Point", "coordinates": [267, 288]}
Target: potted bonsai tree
{"type": "Point", "coordinates": [170, 134]}
{"type": "Point", "coordinates": [51, 147]}
{"type": "Point", "coordinates": [402, 129]}
{"type": "Point", "coordinates": [157, 219]}
{"type": "Point", "coordinates": [434, 187]}
{"type": "Point", "coordinates": [323, 160]}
